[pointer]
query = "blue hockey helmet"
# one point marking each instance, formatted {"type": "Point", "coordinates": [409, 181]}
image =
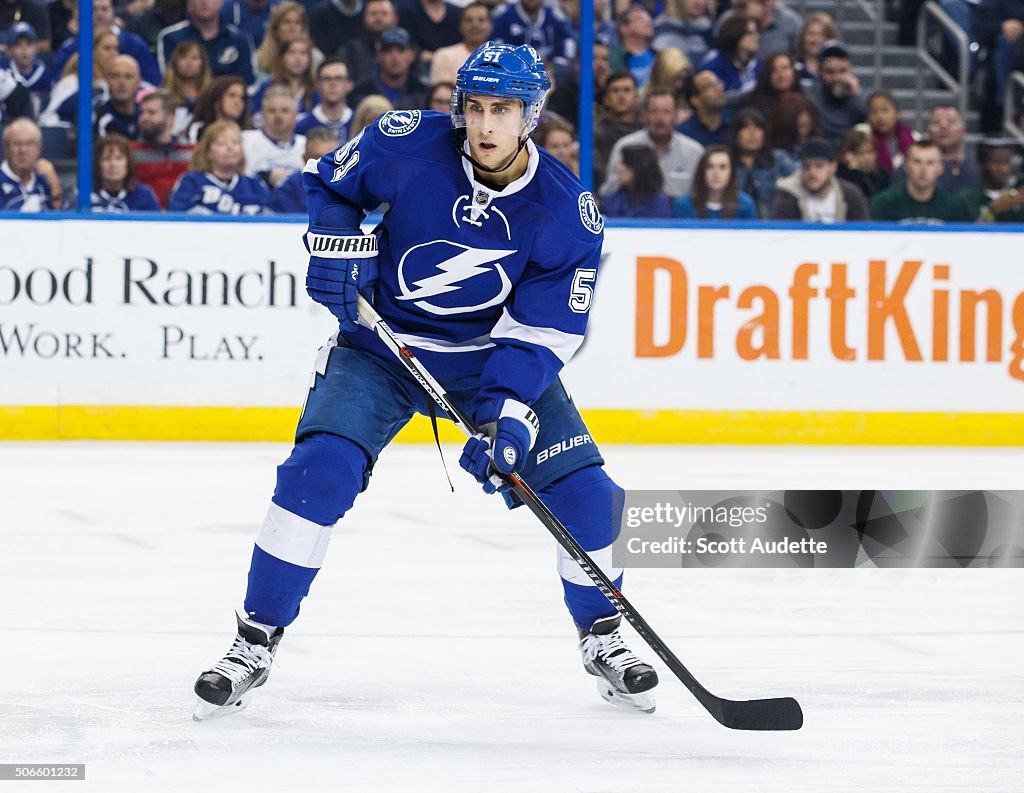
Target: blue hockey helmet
{"type": "Point", "coordinates": [506, 71]}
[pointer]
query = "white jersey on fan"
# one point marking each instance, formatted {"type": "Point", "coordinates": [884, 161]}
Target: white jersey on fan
{"type": "Point", "coordinates": [263, 154]}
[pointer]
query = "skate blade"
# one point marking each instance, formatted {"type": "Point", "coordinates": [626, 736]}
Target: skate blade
{"type": "Point", "coordinates": [643, 702]}
{"type": "Point", "coordinates": [206, 711]}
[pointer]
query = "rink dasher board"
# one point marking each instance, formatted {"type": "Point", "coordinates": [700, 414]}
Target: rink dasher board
{"type": "Point", "coordinates": [202, 331]}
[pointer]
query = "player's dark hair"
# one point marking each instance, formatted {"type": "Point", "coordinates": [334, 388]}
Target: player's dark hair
{"type": "Point", "coordinates": [118, 143]}
{"type": "Point", "coordinates": [648, 180]}
{"type": "Point", "coordinates": [699, 190]}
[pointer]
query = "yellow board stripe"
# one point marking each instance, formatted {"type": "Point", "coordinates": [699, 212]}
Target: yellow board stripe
{"type": "Point", "coordinates": [147, 423]}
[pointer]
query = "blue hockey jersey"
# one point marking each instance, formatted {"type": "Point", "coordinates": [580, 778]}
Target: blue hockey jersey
{"type": "Point", "coordinates": [17, 197]}
{"type": "Point", "coordinates": [204, 193]}
{"type": "Point", "coordinates": [476, 280]}
{"type": "Point", "coordinates": [140, 198]}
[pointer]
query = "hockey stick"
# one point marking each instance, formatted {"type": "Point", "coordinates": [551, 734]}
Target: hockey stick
{"type": "Point", "coordinates": [781, 713]}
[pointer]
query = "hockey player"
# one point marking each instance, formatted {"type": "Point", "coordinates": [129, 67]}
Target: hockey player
{"type": "Point", "coordinates": [489, 277]}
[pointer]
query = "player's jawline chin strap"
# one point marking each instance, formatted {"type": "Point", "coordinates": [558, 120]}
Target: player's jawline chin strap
{"type": "Point", "coordinates": [459, 147]}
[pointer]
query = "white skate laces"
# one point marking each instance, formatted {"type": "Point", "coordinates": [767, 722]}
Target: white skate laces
{"type": "Point", "coordinates": [242, 660]}
{"type": "Point", "coordinates": [611, 648]}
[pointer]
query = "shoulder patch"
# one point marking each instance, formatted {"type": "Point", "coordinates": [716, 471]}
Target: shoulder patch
{"type": "Point", "coordinates": [590, 214]}
{"type": "Point", "coordinates": [399, 122]}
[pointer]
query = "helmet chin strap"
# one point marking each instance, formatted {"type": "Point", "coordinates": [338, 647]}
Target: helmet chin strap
{"type": "Point", "coordinates": [462, 150]}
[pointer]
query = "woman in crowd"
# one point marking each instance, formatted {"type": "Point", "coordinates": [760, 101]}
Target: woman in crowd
{"type": "Point", "coordinates": [287, 20]}
{"type": "Point", "coordinates": [858, 162]}
{"type": "Point", "coordinates": [294, 68]}
{"type": "Point", "coordinates": [670, 72]}
{"type": "Point", "coordinates": [715, 194]}
{"type": "Point", "coordinates": [225, 98]}
{"type": "Point", "coordinates": [188, 75]}
{"type": "Point", "coordinates": [735, 59]}
{"type": "Point", "coordinates": [686, 25]}
{"type": "Point", "coordinates": [367, 111]}
{"type": "Point", "coordinates": [641, 183]}
{"type": "Point", "coordinates": [792, 122]}
{"type": "Point", "coordinates": [113, 185]}
{"type": "Point", "coordinates": [217, 184]}
{"type": "Point", "coordinates": [891, 135]}
{"type": "Point", "coordinates": [62, 108]}
{"type": "Point", "coordinates": [558, 138]}
{"type": "Point", "coordinates": [440, 97]}
{"type": "Point", "coordinates": [758, 167]}
{"type": "Point", "coordinates": [818, 28]}
{"type": "Point", "coordinates": [778, 77]}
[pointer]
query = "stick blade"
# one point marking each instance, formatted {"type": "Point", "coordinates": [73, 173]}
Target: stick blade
{"type": "Point", "coordinates": [782, 713]}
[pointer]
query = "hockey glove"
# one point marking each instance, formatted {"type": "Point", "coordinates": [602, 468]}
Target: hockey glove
{"type": "Point", "coordinates": [508, 431]}
{"type": "Point", "coordinates": [341, 265]}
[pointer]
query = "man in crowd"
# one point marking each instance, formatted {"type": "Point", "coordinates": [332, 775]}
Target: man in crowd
{"type": "Point", "coordinates": [706, 96]}
{"type": "Point", "coordinates": [920, 199]}
{"type": "Point", "coordinates": [960, 169]}
{"type": "Point", "coordinates": [837, 96]}
{"type": "Point", "coordinates": [22, 187]}
{"type": "Point", "coordinates": [23, 61]}
{"type": "Point", "coordinates": [120, 113]}
{"type": "Point", "coordinates": [395, 77]}
{"type": "Point", "coordinates": [275, 152]}
{"type": "Point", "coordinates": [230, 51]}
{"type": "Point", "coordinates": [360, 53]}
{"type": "Point", "coordinates": [530, 22]}
{"type": "Point", "coordinates": [159, 158]}
{"type": "Point", "coordinates": [814, 194]}
{"type": "Point", "coordinates": [634, 53]}
{"type": "Point", "coordinates": [333, 112]}
{"type": "Point", "coordinates": [475, 28]}
{"type": "Point", "coordinates": [677, 154]}
{"type": "Point", "coordinates": [620, 116]}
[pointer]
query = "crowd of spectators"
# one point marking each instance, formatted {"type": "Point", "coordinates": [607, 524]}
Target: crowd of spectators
{"type": "Point", "coordinates": [736, 109]}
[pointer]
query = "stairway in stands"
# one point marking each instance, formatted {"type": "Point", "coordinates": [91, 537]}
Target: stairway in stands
{"type": "Point", "coordinates": [900, 64]}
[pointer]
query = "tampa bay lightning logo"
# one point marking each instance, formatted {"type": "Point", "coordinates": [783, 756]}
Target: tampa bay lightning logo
{"type": "Point", "coordinates": [444, 277]}
{"type": "Point", "coordinates": [399, 122]}
{"type": "Point", "coordinates": [590, 214]}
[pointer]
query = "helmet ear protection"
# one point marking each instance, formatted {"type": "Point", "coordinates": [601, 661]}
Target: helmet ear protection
{"type": "Point", "coordinates": [501, 70]}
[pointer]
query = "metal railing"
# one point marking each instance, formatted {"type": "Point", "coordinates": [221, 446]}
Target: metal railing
{"type": "Point", "coordinates": [958, 85]}
{"type": "Point", "coordinates": [1013, 102]}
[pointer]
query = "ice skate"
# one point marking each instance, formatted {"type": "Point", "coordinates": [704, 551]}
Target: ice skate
{"type": "Point", "coordinates": [623, 679]}
{"type": "Point", "coordinates": [228, 685]}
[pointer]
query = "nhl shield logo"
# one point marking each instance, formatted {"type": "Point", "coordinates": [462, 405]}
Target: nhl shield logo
{"type": "Point", "coordinates": [590, 214]}
{"type": "Point", "coordinates": [399, 122]}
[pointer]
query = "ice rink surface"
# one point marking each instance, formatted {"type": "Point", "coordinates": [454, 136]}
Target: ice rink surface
{"type": "Point", "coordinates": [434, 653]}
